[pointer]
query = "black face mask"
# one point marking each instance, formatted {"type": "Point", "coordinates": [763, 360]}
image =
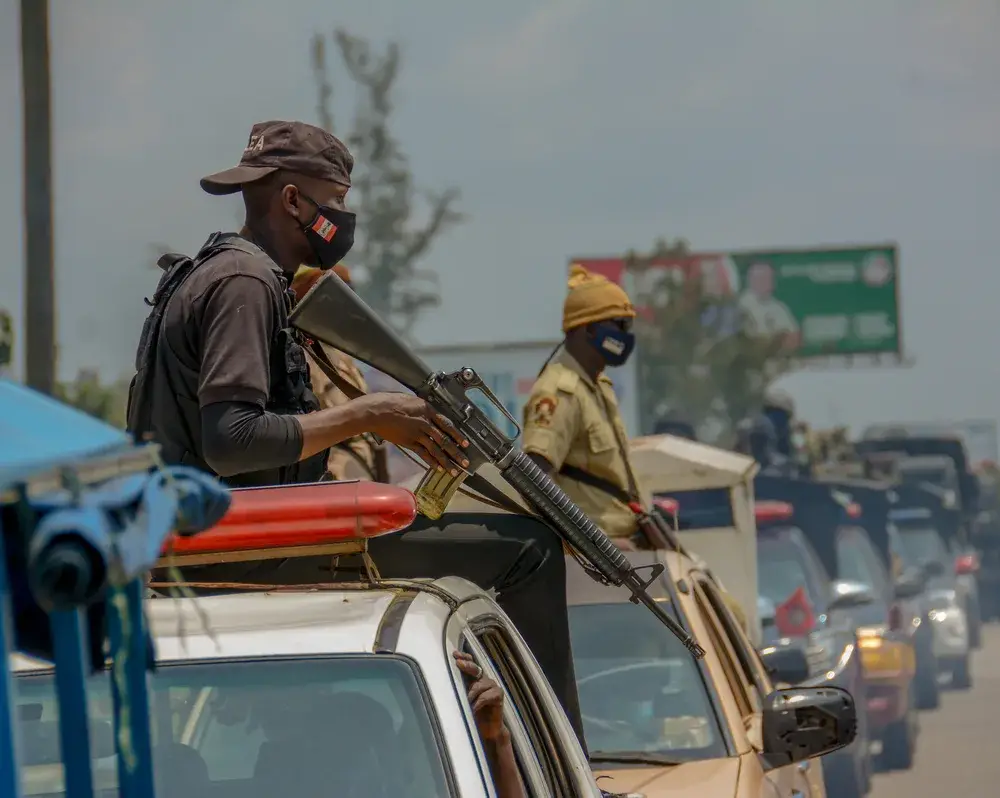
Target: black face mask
{"type": "Point", "coordinates": [330, 234]}
{"type": "Point", "coordinates": [614, 343]}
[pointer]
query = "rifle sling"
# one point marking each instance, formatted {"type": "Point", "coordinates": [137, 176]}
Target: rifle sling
{"type": "Point", "coordinates": [480, 485]}
{"type": "Point", "coordinates": [604, 485]}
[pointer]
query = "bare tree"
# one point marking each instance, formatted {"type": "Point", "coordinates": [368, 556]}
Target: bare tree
{"type": "Point", "coordinates": [390, 242]}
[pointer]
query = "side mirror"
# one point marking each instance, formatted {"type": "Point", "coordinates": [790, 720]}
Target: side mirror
{"type": "Point", "coordinates": [805, 722]}
{"type": "Point", "coordinates": [933, 569]}
{"type": "Point", "coordinates": [786, 663]}
{"type": "Point", "coordinates": [847, 595]}
{"type": "Point", "coordinates": [910, 585]}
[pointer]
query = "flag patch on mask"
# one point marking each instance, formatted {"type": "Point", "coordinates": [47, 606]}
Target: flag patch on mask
{"type": "Point", "coordinates": [325, 228]}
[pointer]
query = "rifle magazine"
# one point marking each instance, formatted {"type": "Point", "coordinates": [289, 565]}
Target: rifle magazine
{"type": "Point", "coordinates": [435, 492]}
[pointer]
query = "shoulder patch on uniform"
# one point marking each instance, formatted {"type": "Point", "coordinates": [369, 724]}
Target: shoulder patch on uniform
{"type": "Point", "coordinates": [542, 410]}
{"type": "Point", "coordinates": [567, 380]}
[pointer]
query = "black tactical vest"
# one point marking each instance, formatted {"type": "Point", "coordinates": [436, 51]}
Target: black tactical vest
{"type": "Point", "coordinates": [290, 391]}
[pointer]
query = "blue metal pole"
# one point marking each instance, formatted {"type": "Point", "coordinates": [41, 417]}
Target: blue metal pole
{"type": "Point", "coordinates": [69, 637]}
{"type": "Point", "coordinates": [127, 637]}
{"type": "Point", "coordinates": [10, 783]}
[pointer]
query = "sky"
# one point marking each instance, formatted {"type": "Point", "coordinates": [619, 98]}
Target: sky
{"type": "Point", "coordinates": [572, 127]}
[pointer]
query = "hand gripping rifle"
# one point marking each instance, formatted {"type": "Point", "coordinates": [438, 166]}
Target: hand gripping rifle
{"type": "Point", "coordinates": [332, 313]}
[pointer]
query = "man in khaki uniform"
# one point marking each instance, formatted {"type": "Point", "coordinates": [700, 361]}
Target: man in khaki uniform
{"type": "Point", "coordinates": [356, 458]}
{"type": "Point", "coordinates": [572, 425]}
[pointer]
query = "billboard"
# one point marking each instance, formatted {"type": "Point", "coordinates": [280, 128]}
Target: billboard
{"type": "Point", "coordinates": [825, 301]}
{"type": "Point", "coordinates": [509, 370]}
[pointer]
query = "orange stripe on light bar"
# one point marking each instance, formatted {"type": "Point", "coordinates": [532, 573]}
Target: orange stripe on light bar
{"type": "Point", "coordinates": [303, 515]}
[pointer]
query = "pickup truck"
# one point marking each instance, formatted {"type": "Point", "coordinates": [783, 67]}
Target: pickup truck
{"type": "Point", "coordinates": [347, 691]}
{"type": "Point", "coordinates": [659, 723]}
{"type": "Point", "coordinates": [346, 688]}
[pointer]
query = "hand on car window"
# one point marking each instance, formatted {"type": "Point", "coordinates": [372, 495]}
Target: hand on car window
{"type": "Point", "coordinates": [485, 696]}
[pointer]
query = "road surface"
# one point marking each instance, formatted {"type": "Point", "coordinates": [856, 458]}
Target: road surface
{"type": "Point", "coordinates": [958, 751]}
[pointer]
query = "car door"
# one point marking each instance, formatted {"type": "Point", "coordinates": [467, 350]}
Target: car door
{"type": "Point", "coordinates": [748, 675]}
{"type": "Point", "coordinates": [550, 756]}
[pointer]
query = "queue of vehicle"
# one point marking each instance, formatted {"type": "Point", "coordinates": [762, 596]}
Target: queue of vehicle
{"type": "Point", "coordinates": [657, 721]}
{"type": "Point", "coordinates": [355, 684]}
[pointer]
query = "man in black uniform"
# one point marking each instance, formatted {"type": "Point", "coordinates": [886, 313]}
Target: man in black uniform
{"type": "Point", "coordinates": [222, 384]}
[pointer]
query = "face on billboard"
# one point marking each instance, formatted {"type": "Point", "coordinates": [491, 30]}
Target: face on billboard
{"type": "Point", "coordinates": [760, 280]}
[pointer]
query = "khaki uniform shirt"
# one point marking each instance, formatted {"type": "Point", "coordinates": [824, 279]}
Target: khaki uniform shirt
{"type": "Point", "coordinates": [571, 420]}
{"type": "Point", "coordinates": [342, 464]}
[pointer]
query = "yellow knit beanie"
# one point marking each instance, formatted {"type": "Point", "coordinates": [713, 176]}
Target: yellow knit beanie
{"type": "Point", "coordinates": [593, 297]}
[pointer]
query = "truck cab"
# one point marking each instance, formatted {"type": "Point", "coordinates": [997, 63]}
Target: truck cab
{"type": "Point", "coordinates": [664, 725]}
{"type": "Point", "coordinates": [347, 688]}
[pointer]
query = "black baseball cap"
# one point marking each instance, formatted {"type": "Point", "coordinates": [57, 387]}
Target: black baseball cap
{"type": "Point", "coordinates": [295, 147]}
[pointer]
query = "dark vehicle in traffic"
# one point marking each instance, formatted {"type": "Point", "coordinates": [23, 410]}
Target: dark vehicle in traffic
{"type": "Point", "coordinates": [887, 624]}
{"type": "Point", "coordinates": [802, 607]}
{"type": "Point", "coordinates": [866, 531]}
{"type": "Point", "coordinates": [917, 459]}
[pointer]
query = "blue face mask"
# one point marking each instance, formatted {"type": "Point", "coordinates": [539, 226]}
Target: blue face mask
{"type": "Point", "coordinates": [614, 343]}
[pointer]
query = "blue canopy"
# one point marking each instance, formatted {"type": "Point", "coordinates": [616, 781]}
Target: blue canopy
{"type": "Point", "coordinates": [38, 433]}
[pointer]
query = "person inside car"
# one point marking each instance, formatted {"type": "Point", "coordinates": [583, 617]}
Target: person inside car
{"type": "Point", "coordinates": [486, 700]}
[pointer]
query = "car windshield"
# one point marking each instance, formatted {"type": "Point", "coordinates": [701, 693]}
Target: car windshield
{"type": "Point", "coordinates": [918, 546]}
{"type": "Point", "coordinates": [781, 567]}
{"type": "Point", "coordinates": [853, 564]}
{"type": "Point", "coordinates": [640, 690]}
{"type": "Point", "coordinates": [347, 726]}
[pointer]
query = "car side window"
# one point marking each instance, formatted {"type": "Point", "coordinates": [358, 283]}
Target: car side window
{"type": "Point", "coordinates": [817, 573]}
{"type": "Point", "coordinates": [529, 705]}
{"type": "Point", "coordinates": [746, 655]}
{"type": "Point", "coordinates": [528, 762]}
{"type": "Point", "coordinates": [742, 689]}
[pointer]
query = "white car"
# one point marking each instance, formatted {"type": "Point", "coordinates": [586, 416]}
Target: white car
{"type": "Point", "coordinates": [348, 691]}
{"type": "Point", "coordinates": [946, 599]}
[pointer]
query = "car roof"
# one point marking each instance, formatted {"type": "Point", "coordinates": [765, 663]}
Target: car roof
{"type": "Point", "coordinates": [306, 621]}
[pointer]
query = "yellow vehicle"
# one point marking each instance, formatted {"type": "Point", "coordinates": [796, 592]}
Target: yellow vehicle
{"type": "Point", "coordinates": [659, 723]}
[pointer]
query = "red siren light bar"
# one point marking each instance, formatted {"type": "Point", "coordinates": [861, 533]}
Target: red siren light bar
{"type": "Point", "coordinates": [767, 511]}
{"type": "Point", "coordinates": [298, 520]}
{"type": "Point", "coordinates": [669, 506]}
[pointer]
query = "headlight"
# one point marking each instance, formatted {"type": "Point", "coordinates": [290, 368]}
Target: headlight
{"type": "Point", "coordinates": [871, 632]}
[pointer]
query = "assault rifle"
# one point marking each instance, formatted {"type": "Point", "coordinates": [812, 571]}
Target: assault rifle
{"type": "Point", "coordinates": [332, 313]}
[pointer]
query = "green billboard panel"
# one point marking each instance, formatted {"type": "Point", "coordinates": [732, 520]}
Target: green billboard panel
{"type": "Point", "coordinates": [842, 301]}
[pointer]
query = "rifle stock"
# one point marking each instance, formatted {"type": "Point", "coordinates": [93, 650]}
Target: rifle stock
{"type": "Point", "coordinates": [332, 313]}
